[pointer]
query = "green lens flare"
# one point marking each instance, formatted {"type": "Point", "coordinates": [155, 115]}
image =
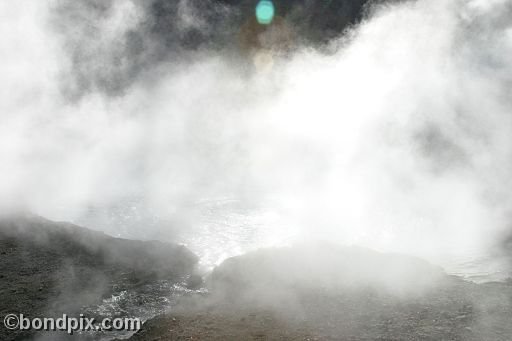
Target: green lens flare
{"type": "Point", "coordinates": [265, 12]}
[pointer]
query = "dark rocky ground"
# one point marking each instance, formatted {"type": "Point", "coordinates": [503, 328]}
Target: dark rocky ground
{"type": "Point", "coordinates": [305, 292]}
{"type": "Point", "coordinates": [48, 268]}
{"type": "Point", "coordinates": [331, 293]}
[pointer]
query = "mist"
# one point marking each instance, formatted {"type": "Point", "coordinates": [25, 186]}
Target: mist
{"type": "Point", "coordinates": [393, 134]}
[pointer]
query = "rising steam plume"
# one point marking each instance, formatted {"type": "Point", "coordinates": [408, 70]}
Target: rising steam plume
{"type": "Point", "coordinates": [391, 129]}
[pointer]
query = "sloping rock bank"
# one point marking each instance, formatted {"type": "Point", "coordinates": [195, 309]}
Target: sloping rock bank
{"type": "Point", "coordinates": [326, 292]}
{"type": "Point", "coordinates": [49, 268]}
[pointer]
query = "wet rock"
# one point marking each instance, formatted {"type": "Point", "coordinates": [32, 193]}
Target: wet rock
{"type": "Point", "coordinates": [54, 268]}
{"type": "Point", "coordinates": [194, 282]}
{"type": "Point", "coordinates": [328, 292]}
{"type": "Point", "coordinates": [325, 267]}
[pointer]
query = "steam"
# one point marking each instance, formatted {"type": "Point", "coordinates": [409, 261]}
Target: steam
{"type": "Point", "coordinates": [399, 139]}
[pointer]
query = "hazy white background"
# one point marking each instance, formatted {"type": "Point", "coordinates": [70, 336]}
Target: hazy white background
{"type": "Point", "coordinates": [401, 140]}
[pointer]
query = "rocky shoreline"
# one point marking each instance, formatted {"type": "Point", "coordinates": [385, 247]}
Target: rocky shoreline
{"type": "Point", "coordinates": [314, 291]}
{"type": "Point", "coordinates": [49, 268]}
{"type": "Point", "coordinates": [326, 292]}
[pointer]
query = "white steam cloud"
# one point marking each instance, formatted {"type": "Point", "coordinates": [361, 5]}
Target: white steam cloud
{"type": "Point", "coordinates": [400, 140]}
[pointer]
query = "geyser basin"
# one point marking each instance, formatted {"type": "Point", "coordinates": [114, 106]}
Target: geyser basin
{"type": "Point", "coordinates": [382, 124]}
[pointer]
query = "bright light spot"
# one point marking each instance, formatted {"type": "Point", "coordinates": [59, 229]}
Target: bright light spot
{"type": "Point", "coordinates": [265, 12]}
